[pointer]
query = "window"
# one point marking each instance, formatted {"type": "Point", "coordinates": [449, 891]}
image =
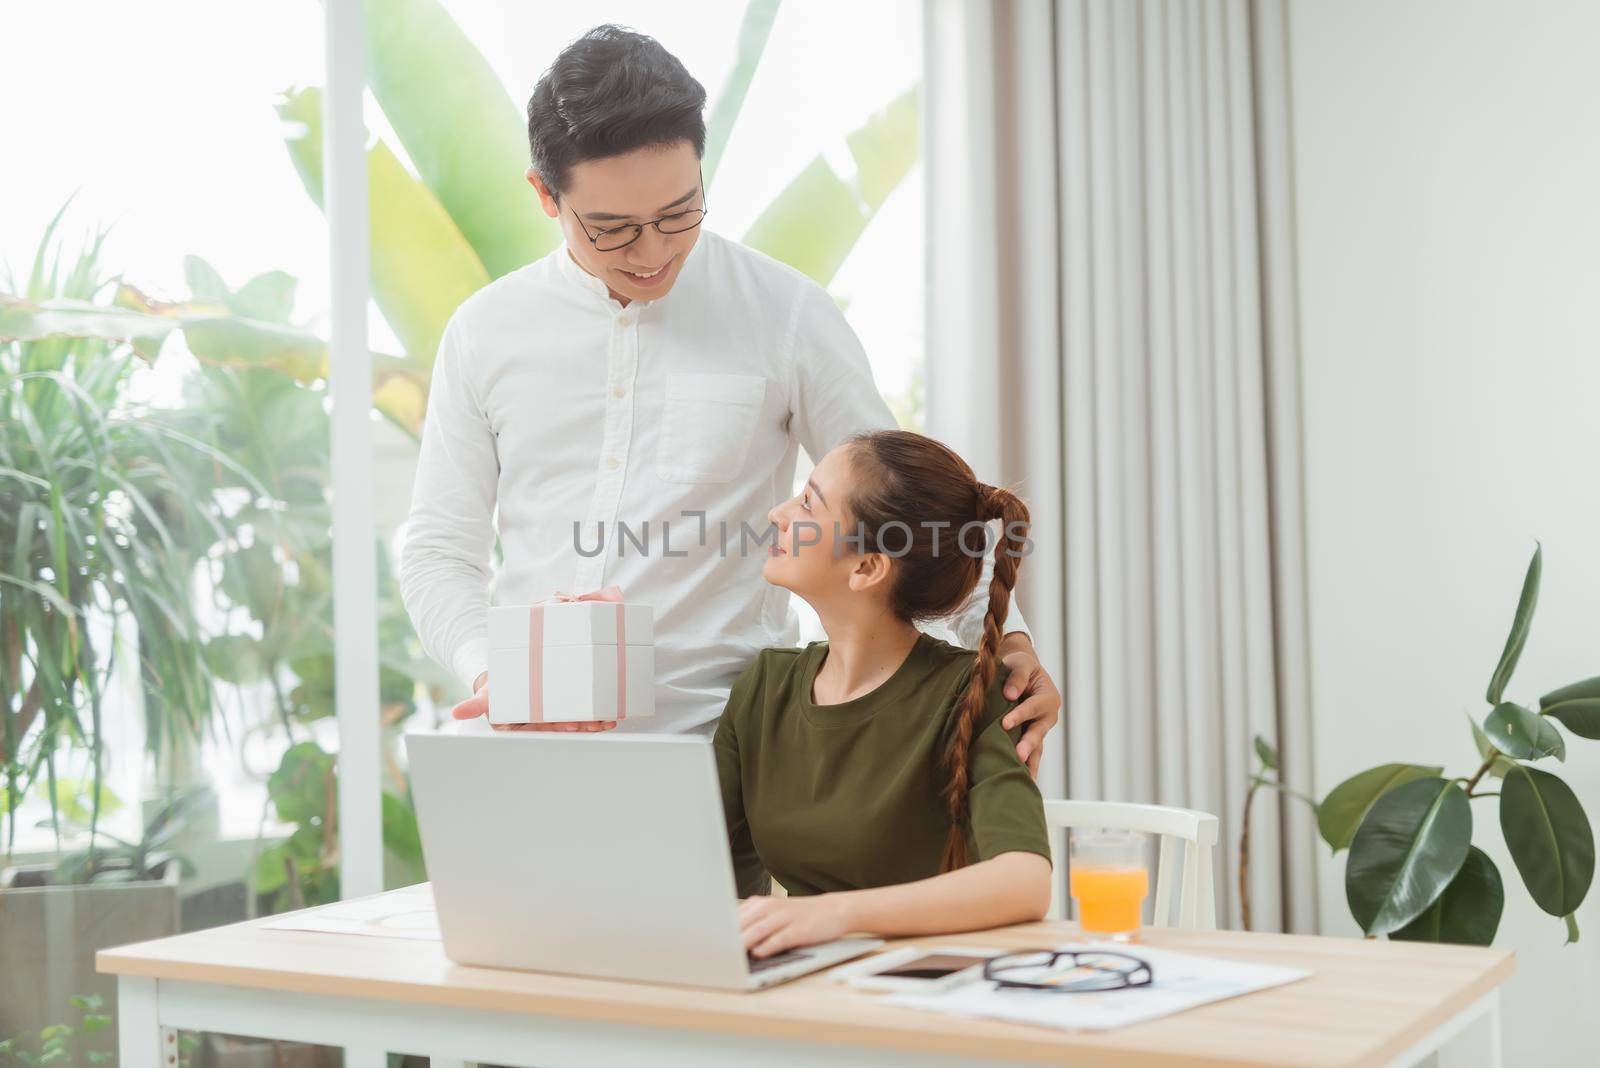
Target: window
{"type": "Point", "coordinates": [191, 548]}
{"type": "Point", "coordinates": [165, 637]}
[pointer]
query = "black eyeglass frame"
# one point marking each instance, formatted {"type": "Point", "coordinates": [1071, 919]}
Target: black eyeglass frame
{"type": "Point", "coordinates": [1130, 977]}
{"type": "Point", "coordinates": [638, 228]}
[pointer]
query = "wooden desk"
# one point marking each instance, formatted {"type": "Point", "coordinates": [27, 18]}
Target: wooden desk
{"type": "Point", "coordinates": [1367, 1003]}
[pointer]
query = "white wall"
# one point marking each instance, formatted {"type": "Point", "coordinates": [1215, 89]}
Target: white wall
{"type": "Point", "coordinates": [1447, 161]}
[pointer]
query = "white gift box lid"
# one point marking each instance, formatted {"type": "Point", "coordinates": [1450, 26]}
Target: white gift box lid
{"type": "Point", "coordinates": [572, 623]}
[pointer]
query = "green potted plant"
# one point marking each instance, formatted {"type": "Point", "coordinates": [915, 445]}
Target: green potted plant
{"type": "Point", "coordinates": [81, 1042]}
{"type": "Point", "coordinates": [110, 891]}
{"type": "Point", "coordinates": [99, 517]}
{"type": "Point", "coordinates": [91, 508]}
{"type": "Point", "coordinates": [1413, 872]}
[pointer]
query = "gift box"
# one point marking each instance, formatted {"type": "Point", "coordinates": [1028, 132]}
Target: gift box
{"type": "Point", "coordinates": [572, 660]}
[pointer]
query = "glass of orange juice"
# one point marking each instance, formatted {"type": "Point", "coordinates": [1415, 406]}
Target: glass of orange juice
{"type": "Point", "coordinates": [1108, 879]}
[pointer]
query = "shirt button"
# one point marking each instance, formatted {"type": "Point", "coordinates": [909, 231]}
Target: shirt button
{"type": "Point", "coordinates": [618, 391]}
{"type": "Point", "coordinates": [611, 463]}
{"type": "Point", "coordinates": [624, 320]}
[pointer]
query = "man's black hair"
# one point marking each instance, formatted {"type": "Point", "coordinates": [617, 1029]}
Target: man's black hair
{"type": "Point", "coordinates": [609, 92]}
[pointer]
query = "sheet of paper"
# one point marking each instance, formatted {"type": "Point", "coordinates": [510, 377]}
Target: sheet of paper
{"type": "Point", "coordinates": [1179, 982]}
{"type": "Point", "coordinates": [405, 913]}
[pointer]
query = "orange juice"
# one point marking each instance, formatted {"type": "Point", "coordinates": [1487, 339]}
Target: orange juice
{"type": "Point", "coordinates": [1109, 898]}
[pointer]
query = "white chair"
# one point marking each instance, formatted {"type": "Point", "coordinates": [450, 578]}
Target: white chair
{"type": "Point", "coordinates": [1197, 831]}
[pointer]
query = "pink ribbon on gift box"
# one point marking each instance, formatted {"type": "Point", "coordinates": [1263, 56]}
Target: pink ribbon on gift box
{"type": "Point", "coordinates": [536, 648]}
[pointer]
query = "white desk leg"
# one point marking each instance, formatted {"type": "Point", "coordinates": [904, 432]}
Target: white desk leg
{"type": "Point", "coordinates": [1478, 1044]}
{"type": "Point", "coordinates": [364, 1057]}
{"type": "Point", "coordinates": [139, 1038]}
{"type": "Point", "coordinates": [1471, 1040]}
{"type": "Point", "coordinates": [1496, 1049]}
{"type": "Point", "coordinates": [169, 1047]}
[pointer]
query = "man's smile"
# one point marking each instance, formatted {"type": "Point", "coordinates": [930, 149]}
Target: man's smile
{"type": "Point", "coordinates": [647, 277]}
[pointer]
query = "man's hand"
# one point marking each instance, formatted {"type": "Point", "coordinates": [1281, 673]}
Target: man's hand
{"type": "Point", "coordinates": [773, 924]}
{"type": "Point", "coordinates": [478, 705]}
{"type": "Point", "coordinates": [1041, 701]}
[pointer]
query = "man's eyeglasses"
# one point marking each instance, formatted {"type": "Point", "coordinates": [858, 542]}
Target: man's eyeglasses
{"type": "Point", "coordinates": [1067, 971]}
{"type": "Point", "coordinates": [620, 237]}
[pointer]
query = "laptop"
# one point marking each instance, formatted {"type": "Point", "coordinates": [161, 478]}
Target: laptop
{"type": "Point", "coordinates": [599, 855]}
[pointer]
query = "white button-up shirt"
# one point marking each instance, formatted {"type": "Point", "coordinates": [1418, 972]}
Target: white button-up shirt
{"type": "Point", "coordinates": [678, 418]}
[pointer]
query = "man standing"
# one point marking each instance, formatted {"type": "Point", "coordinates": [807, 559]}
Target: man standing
{"type": "Point", "coordinates": [648, 373]}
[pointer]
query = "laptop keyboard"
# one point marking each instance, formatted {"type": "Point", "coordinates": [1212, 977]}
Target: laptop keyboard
{"type": "Point", "coordinates": [786, 957]}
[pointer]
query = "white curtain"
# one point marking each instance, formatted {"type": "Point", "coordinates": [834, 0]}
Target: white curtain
{"type": "Point", "coordinates": [1112, 332]}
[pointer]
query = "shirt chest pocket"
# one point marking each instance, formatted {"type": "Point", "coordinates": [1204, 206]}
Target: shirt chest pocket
{"type": "Point", "coordinates": [707, 423]}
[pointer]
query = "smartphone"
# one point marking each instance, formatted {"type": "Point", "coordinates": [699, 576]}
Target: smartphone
{"type": "Point", "coordinates": [930, 966]}
{"type": "Point", "coordinates": [914, 969]}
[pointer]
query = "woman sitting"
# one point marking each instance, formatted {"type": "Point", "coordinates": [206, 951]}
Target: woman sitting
{"type": "Point", "coordinates": [870, 773]}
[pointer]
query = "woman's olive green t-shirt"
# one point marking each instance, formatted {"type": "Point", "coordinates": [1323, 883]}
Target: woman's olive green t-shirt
{"type": "Point", "coordinates": [847, 796]}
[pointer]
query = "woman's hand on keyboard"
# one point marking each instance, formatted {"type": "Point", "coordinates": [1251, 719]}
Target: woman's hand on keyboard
{"type": "Point", "coordinates": [773, 924]}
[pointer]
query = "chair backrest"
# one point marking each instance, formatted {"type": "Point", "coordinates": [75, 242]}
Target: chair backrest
{"type": "Point", "coordinates": [1195, 833]}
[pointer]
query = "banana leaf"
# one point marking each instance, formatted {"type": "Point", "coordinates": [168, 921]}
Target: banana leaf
{"type": "Point", "coordinates": [22, 320]}
{"type": "Point", "coordinates": [461, 130]}
{"type": "Point", "coordinates": [422, 265]}
{"type": "Point", "coordinates": [754, 29]}
{"type": "Point", "coordinates": [399, 388]}
{"type": "Point", "coordinates": [819, 216]}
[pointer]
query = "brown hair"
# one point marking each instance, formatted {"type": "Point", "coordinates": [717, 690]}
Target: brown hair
{"type": "Point", "coordinates": [927, 496]}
